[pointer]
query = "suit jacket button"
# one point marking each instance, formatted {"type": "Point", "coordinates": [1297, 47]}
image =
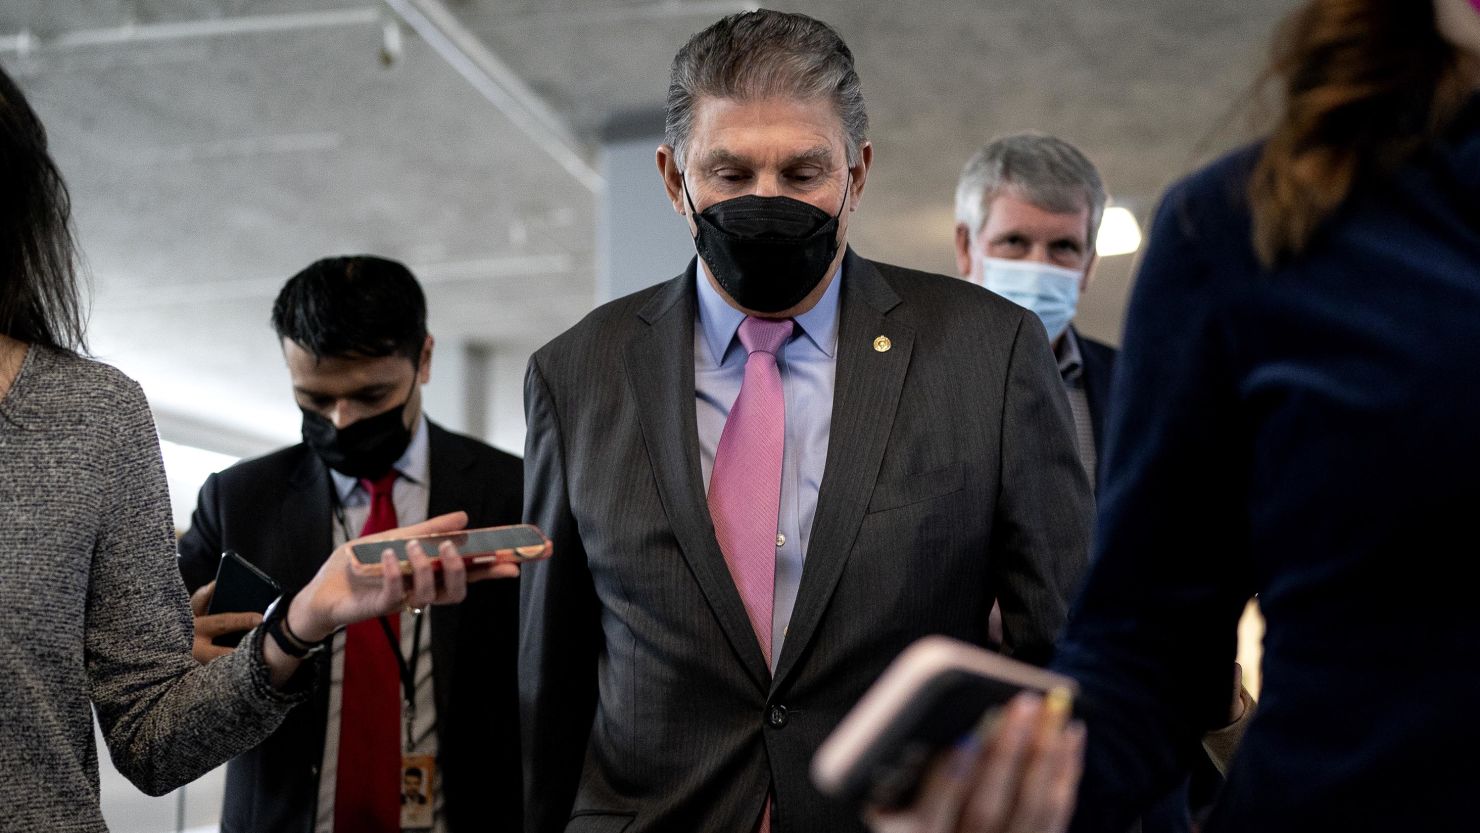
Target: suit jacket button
{"type": "Point", "coordinates": [776, 717]}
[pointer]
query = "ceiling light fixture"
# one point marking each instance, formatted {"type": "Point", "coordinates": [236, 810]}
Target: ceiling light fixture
{"type": "Point", "coordinates": [1120, 234]}
{"type": "Point", "coordinates": [391, 46]}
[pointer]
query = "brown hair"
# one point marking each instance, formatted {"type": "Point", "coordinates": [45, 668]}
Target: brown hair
{"type": "Point", "coordinates": [1367, 84]}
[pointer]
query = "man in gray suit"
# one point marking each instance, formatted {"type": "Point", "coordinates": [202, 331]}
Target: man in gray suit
{"type": "Point", "coordinates": [767, 476]}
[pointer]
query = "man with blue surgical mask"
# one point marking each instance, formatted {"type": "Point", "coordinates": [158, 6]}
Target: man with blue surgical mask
{"type": "Point", "coordinates": [1028, 207]}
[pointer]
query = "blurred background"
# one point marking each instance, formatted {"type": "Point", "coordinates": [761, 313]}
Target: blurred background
{"type": "Point", "coordinates": [503, 149]}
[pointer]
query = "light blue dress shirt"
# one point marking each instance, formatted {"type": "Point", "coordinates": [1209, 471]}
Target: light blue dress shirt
{"type": "Point", "coordinates": [808, 365]}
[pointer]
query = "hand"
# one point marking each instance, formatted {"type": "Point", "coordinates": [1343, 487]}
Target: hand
{"type": "Point", "coordinates": [1237, 708]}
{"type": "Point", "coordinates": [338, 595]}
{"type": "Point", "coordinates": [1020, 778]}
{"type": "Point", "coordinates": [208, 627]}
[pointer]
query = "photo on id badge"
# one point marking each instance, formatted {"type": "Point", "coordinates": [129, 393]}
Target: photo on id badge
{"type": "Point", "coordinates": [418, 773]}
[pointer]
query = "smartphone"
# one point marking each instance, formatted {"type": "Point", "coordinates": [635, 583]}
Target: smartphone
{"type": "Point", "coordinates": [514, 544]}
{"type": "Point", "coordinates": [240, 588]}
{"type": "Point", "coordinates": [929, 699]}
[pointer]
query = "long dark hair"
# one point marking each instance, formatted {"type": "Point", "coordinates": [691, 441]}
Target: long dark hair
{"type": "Point", "coordinates": [1367, 84]}
{"type": "Point", "coordinates": [40, 300]}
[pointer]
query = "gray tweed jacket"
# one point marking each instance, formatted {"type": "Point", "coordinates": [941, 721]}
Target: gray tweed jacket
{"type": "Point", "coordinates": [94, 613]}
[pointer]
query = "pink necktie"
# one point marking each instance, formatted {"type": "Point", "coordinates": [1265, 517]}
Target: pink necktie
{"type": "Point", "coordinates": [745, 486]}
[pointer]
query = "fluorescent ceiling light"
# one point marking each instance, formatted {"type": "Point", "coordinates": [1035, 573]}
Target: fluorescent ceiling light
{"type": "Point", "coordinates": [1120, 234]}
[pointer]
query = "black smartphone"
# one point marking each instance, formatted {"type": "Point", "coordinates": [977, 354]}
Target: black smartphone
{"type": "Point", "coordinates": [240, 588]}
{"type": "Point", "coordinates": [929, 699]}
{"type": "Point", "coordinates": [513, 544]}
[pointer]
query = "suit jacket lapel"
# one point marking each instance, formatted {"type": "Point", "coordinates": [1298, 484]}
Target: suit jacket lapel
{"type": "Point", "coordinates": [865, 397]}
{"type": "Point", "coordinates": [450, 489]}
{"type": "Point", "coordinates": [306, 535]}
{"type": "Point", "coordinates": [448, 474]}
{"type": "Point", "coordinates": [305, 522]}
{"type": "Point", "coordinates": [660, 368]}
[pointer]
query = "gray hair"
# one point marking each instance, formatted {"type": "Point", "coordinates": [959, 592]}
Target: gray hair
{"type": "Point", "coordinates": [1043, 170]}
{"type": "Point", "coordinates": [755, 55]}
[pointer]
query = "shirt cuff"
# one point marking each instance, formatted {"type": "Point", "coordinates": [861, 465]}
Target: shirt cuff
{"type": "Point", "coordinates": [298, 687]}
{"type": "Point", "coordinates": [1222, 744]}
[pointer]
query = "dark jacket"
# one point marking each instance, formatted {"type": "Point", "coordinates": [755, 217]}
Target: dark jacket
{"type": "Point", "coordinates": [951, 480]}
{"type": "Point", "coordinates": [1170, 813]}
{"type": "Point", "coordinates": [1306, 433]}
{"type": "Point", "coordinates": [276, 512]}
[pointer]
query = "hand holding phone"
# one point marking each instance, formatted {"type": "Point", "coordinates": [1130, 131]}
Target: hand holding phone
{"type": "Point", "coordinates": [229, 606]}
{"type": "Point", "coordinates": [1018, 772]}
{"type": "Point", "coordinates": [928, 702]}
{"type": "Point", "coordinates": [355, 584]}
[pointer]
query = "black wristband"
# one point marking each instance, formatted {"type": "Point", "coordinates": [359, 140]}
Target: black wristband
{"type": "Point", "coordinates": [276, 623]}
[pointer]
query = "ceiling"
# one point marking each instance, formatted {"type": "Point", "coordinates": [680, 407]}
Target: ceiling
{"type": "Point", "coordinates": [215, 147]}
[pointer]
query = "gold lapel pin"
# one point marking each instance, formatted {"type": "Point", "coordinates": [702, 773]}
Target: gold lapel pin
{"type": "Point", "coordinates": [882, 344]}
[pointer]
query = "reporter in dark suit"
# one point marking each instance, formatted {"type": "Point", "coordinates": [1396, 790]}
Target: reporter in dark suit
{"type": "Point", "coordinates": [353, 331]}
{"type": "Point", "coordinates": [923, 467]}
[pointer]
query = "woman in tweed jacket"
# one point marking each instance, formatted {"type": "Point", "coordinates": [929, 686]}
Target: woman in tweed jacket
{"type": "Point", "coordinates": [92, 610]}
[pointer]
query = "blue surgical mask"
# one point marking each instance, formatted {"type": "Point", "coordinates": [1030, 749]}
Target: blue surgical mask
{"type": "Point", "coordinates": [1051, 292]}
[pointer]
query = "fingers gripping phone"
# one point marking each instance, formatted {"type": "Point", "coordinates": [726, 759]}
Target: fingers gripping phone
{"type": "Point", "coordinates": [513, 544]}
{"type": "Point", "coordinates": [930, 698]}
{"type": "Point", "coordinates": [240, 588]}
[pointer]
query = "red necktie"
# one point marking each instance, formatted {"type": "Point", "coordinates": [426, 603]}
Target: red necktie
{"type": "Point", "coordinates": [745, 485]}
{"type": "Point", "coordinates": [367, 786]}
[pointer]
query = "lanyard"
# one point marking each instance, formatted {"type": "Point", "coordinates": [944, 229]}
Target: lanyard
{"type": "Point", "coordinates": [407, 670]}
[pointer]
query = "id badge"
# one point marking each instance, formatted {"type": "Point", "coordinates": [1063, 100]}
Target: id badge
{"type": "Point", "coordinates": [418, 782]}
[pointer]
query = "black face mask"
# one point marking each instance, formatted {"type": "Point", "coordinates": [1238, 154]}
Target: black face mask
{"type": "Point", "coordinates": [767, 253]}
{"type": "Point", "coordinates": [365, 448]}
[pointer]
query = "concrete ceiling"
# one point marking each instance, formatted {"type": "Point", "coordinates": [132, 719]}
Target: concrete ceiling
{"type": "Point", "coordinates": [210, 159]}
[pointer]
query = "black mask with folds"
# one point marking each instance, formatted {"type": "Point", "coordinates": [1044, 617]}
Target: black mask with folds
{"type": "Point", "coordinates": [365, 448]}
{"type": "Point", "coordinates": [767, 253]}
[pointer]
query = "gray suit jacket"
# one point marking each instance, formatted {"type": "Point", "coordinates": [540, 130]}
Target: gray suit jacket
{"type": "Point", "coordinates": [951, 480]}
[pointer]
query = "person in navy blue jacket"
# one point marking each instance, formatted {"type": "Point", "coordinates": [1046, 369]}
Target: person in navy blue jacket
{"type": "Point", "coordinates": [1294, 415]}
